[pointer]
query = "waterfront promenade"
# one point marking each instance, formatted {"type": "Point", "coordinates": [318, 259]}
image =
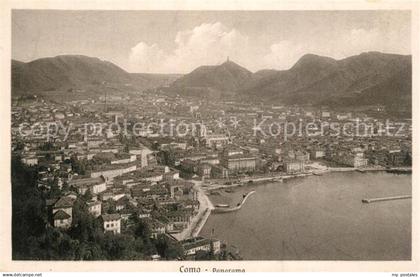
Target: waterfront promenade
{"type": "Point", "coordinates": [206, 206]}
{"type": "Point", "coordinates": [198, 221]}
{"type": "Point", "coordinates": [281, 220]}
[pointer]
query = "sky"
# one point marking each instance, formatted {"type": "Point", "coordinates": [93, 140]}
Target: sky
{"type": "Point", "coordinates": [180, 41]}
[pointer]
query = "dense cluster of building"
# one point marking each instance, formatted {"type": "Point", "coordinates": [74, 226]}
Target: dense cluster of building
{"type": "Point", "coordinates": [145, 174]}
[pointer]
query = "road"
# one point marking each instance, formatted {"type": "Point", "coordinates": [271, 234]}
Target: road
{"type": "Point", "coordinates": [198, 221]}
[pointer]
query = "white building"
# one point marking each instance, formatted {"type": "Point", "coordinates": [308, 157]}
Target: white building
{"type": "Point", "coordinates": [193, 245]}
{"type": "Point", "coordinates": [95, 185]}
{"type": "Point", "coordinates": [112, 223]}
{"type": "Point", "coordinates": [216, 140]}
{"type": "Point", "coordinates": [142, 154]}
{"type": "Point", "coordinates": [94, 208]}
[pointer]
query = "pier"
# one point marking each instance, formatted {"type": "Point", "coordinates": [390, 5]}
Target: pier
{"type": "Point", "coordinates": [399, 170]}
{"type": "Point", "coordinates": [370, 200]}
{"type": "Point", "coordinates": [238, 207]}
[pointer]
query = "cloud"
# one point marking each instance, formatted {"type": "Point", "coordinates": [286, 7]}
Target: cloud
{"type": "Point", "coordinates": [283, 55]}
{"type": "Point", "coordinates": [363, 40]}
{"type": "Point", "coordinates": [208, 43]}
{"type": "Point", "coordinates": [211, 43]}
{"type": "Point", "coordinates": [145, 55]}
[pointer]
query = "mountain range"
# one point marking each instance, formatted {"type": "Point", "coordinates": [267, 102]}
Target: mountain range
{"type": "Point", "coordinates": [367, 79]}
{"type": "Point", "coordinates": [77, 71]}
{"type": "Point", "coordinates": [225, 79]}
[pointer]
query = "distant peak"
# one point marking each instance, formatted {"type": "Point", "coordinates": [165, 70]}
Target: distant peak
{"type": "Point", "coordinates": [230, 65]}
{"type": "Point", "coordinates": [309, 57]}
{"type": "Point", "coordinates": [312, 58]}
{"type": "Point", "coordinates": [377, 53]}
{"type": "Point", "coordinates": [229, 62]}
{"type": "Point", "coordinates": [68, 57]}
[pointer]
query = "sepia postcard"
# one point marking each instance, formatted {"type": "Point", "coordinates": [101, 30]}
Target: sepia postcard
{"type": "Point", "coordinates": [217, 137]}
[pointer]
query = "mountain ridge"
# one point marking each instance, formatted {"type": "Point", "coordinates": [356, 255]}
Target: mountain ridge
{"type": "Point", "coordinates": [364, 79]}
{"type": "Point", "coordinates": [224, 78]}
{"type": "Point", "coordinates": [74, 71]}
{"type": "Point", "coordinates": [309, 82]}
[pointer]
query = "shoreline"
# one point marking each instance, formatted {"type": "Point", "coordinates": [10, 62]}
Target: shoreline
{"type": "Point", "coordinates": [241, 219]}
{"type": "Point", "coordinates": [199, 220]}
{"type": "Point", "coordinates": [317, 172]}
{"type": "Point", "coordinates": [207, 206]}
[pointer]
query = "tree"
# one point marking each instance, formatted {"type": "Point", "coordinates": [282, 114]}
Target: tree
{"type": "Point", "coordinates": [120, 247]}
{"type": "Point", "coordinates": [142, 230]}
{"type": "Point", "coordinates": [111, 208]}
{"type": "Point", "coordinates": [65, 187]}
{"type": "Point", "coordinates": [126, 148]}
{"type": "Point", "coordinates": [202, 255]}
{"type": "Point", "coordinates": [29, 215]}
{"type": "Point", "coordinates": [78, 166]}
{"type": "Point", "coordinates": [55, 190]}
{"type": "Point", "coordinates": [407, 159]}
{"type": "Point", "coordinates": [33, 238]}
{"type": "Point", "coordinates": [87, 196]}
{"type": "Point", "coordinates": [85, 227]}
{"type": "Point", "coordinates": [168, 157]}
{"type": "Point", "coordinates": [167, 248]}
{"type": "Point", "coordinates": [68, 248]}
{"type": "Point", "coordinates": [89, 251]}
{"type": "Point", "coordinates": [20, 145]}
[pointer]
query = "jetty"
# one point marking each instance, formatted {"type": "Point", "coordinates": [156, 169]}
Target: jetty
{"type": "Point", "coordinates": [399, 170]}
{"type": "Point", "coordinates": [236, 208]}
{"type": "Point", "coordinates": [370, 200]}
{"type": "Point", "coordinates": [261, 179]}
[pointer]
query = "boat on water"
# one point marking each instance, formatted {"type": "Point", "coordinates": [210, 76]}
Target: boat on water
{"type": "Point", "coordinates": [317, 174]}
{"type": "Point", "coordinates": [222, 205]}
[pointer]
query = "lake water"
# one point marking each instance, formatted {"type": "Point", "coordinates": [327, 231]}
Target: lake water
{"type": "Point", "coordinates": [319, 218]}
